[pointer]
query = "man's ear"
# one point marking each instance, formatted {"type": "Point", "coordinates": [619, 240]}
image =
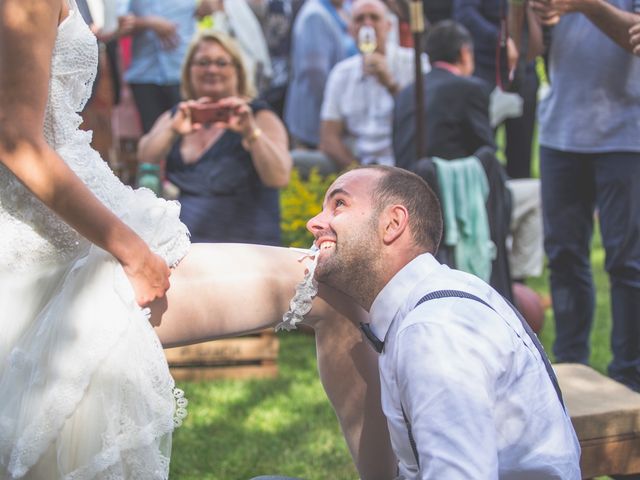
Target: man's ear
{"type": "Point", "coordinates": [395, 221]}
{"type": "Point", "coordinates": [466, 60]}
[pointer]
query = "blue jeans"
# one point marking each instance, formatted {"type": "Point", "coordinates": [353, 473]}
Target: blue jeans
{"type": "Point", "coordinates": [573, 185]}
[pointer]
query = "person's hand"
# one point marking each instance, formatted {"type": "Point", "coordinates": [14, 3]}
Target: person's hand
{"type": "Point", "coordinates": [512, 55]}
{"type": "Point", "coordinates": [545, 12]}
{"type": "Point", "coordinates": [181, 122]}
{"type": "Point", "coordinates": [240, 118]}
{"type": "Point", "coordinates": [634, 38]}
{"type": "Point", "coordinates": [166, 31]}
{"type": "Point", "coordinates": [126, 25]}
{"type": "Point", "coordinates": [148, 274]}
{"type": "Point", "coordinates": [207, 7]}
{"type": "Point", "coordinates": [550, 11]}
{"type": "Point", "coordinates": [376, 64]}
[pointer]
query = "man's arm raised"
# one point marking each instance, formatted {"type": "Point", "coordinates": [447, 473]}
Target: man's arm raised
{"type": "Point", "coordinates": [612, 21]}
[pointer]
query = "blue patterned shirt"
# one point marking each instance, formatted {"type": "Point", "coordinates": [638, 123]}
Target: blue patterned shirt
{"type": "Point", "coordinates": [319, 42]}
{"type": "Point", "coordinates": [150, 61]}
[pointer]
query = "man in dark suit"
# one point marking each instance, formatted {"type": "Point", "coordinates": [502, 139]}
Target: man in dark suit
{"type": "Point", "coordinates": [456, 125]}
{"type": "Point", "coordinates": [456, 105]}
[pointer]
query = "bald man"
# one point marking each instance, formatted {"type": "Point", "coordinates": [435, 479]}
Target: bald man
{"type": "Point", "coordinates": [357, 110]}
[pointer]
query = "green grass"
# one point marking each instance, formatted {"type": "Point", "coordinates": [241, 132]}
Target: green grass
{"type": "Point", "coordinates": [237, 429]}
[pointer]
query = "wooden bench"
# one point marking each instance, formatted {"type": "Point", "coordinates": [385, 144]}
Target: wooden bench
{"type": "Point", "coordinates": [606, 417]}
{"type": "Point", "coordinates": [249, 356]}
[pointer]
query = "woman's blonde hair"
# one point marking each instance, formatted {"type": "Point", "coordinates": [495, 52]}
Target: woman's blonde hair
{"type": "Point", "coordinates": [229, 45]}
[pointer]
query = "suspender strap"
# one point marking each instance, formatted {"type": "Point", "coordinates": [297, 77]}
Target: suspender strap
{"type": "Point", "coordinates": [525, 325]}
{"type": "Point", "coordinates": [462, 294]}
{"type": "Point", "coordinates": [412, 441]}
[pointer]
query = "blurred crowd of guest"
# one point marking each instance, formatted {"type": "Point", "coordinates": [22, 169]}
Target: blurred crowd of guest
{"type": "Point", "coordinates": [232, 94]}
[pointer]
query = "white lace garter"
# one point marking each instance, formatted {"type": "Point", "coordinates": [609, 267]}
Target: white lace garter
{"type": "Point", "coordinates": [306, 290]}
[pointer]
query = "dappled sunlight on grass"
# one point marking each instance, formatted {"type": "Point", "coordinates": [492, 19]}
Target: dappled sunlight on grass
{"type": "Point", "coordinates": [237, 429]}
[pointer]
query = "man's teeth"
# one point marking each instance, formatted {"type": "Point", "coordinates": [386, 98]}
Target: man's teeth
{"type": "Point", "coordinates": [327, 245]}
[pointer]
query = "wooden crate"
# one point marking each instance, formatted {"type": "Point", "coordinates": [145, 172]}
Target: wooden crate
{"type": "Point", "coordinates": [606, 417]}
{"type": "Point", "coordinates": [249, 356]}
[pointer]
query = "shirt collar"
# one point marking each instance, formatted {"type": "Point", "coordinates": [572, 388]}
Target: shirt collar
{"type": "Point", "coordinates": [395, 293]}
{"type": "Point", "coordinates": [450, 67]}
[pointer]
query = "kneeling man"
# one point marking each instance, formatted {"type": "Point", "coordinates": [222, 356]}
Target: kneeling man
{"type": "Point", "coordinates": [467, 391]}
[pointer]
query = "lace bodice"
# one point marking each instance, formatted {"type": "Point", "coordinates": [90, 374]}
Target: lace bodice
{"type": "Point", "coordinates": [31, 233]}
{"type": "Point", "coordinates": [73, 70]}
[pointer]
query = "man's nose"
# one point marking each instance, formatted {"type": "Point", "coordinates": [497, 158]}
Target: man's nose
{"type": "Point", "coordinates": [317, 223]}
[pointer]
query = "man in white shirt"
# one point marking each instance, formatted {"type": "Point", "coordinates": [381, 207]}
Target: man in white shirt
{"type": "Point", "coordinates": [461, 378]}
{"type": "Point", "coordinates": [357, 109]}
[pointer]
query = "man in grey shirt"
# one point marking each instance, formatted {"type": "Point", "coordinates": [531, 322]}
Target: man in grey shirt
{"type": "Point", "coordinates": [590, 159]}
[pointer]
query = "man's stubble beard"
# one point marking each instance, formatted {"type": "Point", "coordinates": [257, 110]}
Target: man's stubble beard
{"type": "Point", "coordinates": [353, 267]}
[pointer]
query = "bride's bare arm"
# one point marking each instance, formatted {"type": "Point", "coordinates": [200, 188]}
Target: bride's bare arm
{"type": "Point", "coordinates": [225, 289]}
{"type": "Point", "coordinates": [28, 30]}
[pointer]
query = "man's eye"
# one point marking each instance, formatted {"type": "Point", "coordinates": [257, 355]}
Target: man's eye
{"type": "Point", "coordinates": [339, 203]}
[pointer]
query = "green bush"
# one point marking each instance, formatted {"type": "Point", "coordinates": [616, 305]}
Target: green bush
{"type": "Point", "coordinates": [301, 200]}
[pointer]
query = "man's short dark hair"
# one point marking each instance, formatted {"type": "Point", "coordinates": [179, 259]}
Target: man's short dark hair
{"type": "Point", "coordinates": [398, 186]}
{"type": "Point", "coordinates": [444, 41]}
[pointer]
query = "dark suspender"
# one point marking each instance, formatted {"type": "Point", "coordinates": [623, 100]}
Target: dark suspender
{"type": "Point", "coordinates": [534, 338]}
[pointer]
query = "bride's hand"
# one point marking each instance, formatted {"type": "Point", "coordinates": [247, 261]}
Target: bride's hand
{"type": "Point", "coordinates": [149, 276]}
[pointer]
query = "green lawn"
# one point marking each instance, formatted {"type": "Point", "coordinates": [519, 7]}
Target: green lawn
{"type": "Point", "coordinates": [237, 429]}
{"type": "Point", "coordinates": [240, 428]}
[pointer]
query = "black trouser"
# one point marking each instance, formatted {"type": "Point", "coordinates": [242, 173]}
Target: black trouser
{"type": "Point", "coordinates": [153, 100]}
{"type": "Point", "coordinates": [573, 186]}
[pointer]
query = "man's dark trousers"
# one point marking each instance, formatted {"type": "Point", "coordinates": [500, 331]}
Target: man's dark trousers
{"type": "Point", "coordinates": [573, 186]}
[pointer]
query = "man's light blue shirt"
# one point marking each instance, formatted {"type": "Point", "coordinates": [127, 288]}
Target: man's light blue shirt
{"type": "Point", "coordinates": [471, 382]}
{"type": "Point", "coordinates": [150, 61]}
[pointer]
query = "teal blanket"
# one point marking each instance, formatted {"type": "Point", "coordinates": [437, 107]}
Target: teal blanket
{"type": "Point", "coordinates": [464, 190]}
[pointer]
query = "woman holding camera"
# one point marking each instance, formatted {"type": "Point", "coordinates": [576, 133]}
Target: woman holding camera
{"type": "Point", "coordinates": [226, 153]}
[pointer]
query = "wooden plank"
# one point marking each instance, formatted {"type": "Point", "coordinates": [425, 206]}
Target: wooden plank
{"type": "Point", "coordinates": [194, 374]}
{"type": "Point", "coordinates": [610, 456]}
{"type": "Point", "coordinates": [606, 418]}
{"type": "Point", "coordinates": [226, 351]}
{"type": "Point", "coordinates": [599, 406]}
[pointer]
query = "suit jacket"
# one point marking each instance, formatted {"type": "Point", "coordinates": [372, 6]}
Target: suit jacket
{"type": "Point", "coordinates": [456, 117]}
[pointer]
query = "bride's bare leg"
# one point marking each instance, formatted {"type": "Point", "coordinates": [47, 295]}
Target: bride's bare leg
{"type": "Point", "coordinates": [219, 290]}
{"type": "Point", "coordinates": [227, 289]}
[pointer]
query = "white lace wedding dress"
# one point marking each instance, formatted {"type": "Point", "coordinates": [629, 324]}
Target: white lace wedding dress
{"type": "Point", "coordinates": [85, 391]}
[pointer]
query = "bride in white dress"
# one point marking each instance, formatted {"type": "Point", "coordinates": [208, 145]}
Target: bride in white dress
{"type": "Point", "coordinates": [84, 386]}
